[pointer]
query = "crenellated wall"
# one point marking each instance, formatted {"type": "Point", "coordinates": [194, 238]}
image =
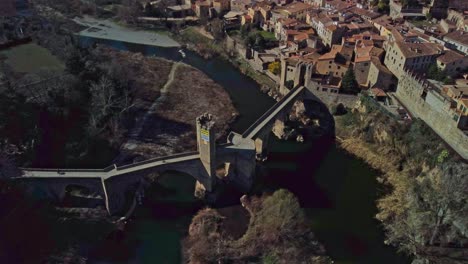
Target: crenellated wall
{"type": "Point", "coordinates": [426, 104]}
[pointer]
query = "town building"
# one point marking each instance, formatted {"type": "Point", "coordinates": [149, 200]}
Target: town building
{"type": "Point", "coordinates": [409, 53]}
{"type": "Point", "coordinates": [452, 63]}
{"type": "Point", "coordinates": [202, 9]}
{"type": "Point", "coordinates": [458, 40]}
{"type": "Point", "coordinates": [240, 5]}
{"type": "Point", "coordinates": [296, 10]}
{"type": "Point", "coordinates": [336, 62]}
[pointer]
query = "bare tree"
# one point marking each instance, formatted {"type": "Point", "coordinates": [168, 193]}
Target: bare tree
{"type": "Point", "coordinates": [105, 103]}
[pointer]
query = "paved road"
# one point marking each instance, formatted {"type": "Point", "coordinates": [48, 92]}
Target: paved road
{"type": "Point", "coordinates": [272, 112]}
{"type": "Point", "coordinates": [106, 174]}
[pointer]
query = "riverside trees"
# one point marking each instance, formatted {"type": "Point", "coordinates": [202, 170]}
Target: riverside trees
{"type": "Point", "coordinates": [425, 211]}
{"type": "Point", "coordinates": [278, 232]}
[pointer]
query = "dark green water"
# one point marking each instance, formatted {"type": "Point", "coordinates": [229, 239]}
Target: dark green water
{"type": "Point", "coordinates": [338, 190]}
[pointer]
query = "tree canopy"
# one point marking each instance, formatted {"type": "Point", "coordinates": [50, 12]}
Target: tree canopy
{"type": "Point", "coordinates": [349, 83]}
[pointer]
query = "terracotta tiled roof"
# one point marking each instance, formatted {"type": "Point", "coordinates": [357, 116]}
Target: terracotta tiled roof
{"type": "Point", "coordinates": [296, 7]}
{"type": "Point", "coordinates": [378, 92]}
{"type": "Point", "coordinates": [458, 36]}
{"type": "Point", "coordinates": [417, 49]}
{"type": "Point", "coordinates": [450, 56]}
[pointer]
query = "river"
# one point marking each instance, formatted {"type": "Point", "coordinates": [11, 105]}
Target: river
{"type": "Point", "coordinates": [338, 190]}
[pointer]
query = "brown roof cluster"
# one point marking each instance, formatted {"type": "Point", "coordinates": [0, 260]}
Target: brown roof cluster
{"type": "Point", "coordinates": [417, 49]}
{"type": "Point", "coordinates": [365, 13]}
{"type": "Point", "coordinates": [450, 56]}
{"type": "Point", "coordinates": [296, 7]}
{"type": "Point", "coordinates": [376, 62]}
{"type": "Point", "coordinates": [458, 36]}
{"type": "Point", "coordinates": [287, 21]}
{"type": "Point", "coordinates": [336, 51]}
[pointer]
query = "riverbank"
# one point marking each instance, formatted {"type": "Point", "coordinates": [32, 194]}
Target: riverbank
{"type": "Point", "coordinates": [415, 165]}
{"type": "Point", "coordinates": [277, 232]}
{"type": "Point", "coordinates": [208, 48]}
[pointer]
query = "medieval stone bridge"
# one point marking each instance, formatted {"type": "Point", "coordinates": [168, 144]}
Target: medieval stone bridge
{"type": "Point", "coordinates": [234, 161]}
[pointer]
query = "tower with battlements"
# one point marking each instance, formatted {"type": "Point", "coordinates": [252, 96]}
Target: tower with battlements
{"type": "Point", "coordinates": [206, 145]}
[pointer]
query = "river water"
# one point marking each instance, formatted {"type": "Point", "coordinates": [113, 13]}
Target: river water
{"type": "Point", "coordinates": [338, 190]}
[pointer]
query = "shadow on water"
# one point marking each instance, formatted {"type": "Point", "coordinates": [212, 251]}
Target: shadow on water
{"type": "Point", "coordinates": [339, 192]}
{"type": "Point", "coordinates": [155, 232]}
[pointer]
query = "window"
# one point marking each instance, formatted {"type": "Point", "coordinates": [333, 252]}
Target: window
{"type": "Point", "coordinates": [339, 67]}
{"type": "Point", "coordinates": [329, 66]}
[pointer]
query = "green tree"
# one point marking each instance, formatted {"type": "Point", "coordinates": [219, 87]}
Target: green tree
{"type": "Point", "coordinates": [383, 6]}
{"type": "Point", "coordinates": [275, 67]}
{"type": "Point", "coordinates": [349, 83]}
{"type": "Point", "coordinates": [245, 30]}
{"type": "Point", "coordinates": [435, 73]}
{"type": "Point", "coordinates": [259, 41]}
{"type": "Point", "coordinates": [217, 29]}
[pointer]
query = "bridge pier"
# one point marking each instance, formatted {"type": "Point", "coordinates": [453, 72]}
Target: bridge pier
{"type": "Point", "coordinates": [261, 142]}
{"type": "Point", "coordinates": [206, 145]}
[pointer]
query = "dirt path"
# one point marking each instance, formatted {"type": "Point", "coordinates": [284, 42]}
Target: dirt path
{"type": "Point", "coordinates": [171, 78]}
{"type": "Point", "coordinates": [136, 131]}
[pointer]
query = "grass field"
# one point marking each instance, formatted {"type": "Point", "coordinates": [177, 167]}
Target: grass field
{"type": "Point", "coordinates": [30, 58]}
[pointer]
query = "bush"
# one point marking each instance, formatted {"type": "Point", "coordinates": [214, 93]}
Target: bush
{"type": "Point", "coordinates": [339, 109]}
{"type": "Point", "coordinates": [275, 67]}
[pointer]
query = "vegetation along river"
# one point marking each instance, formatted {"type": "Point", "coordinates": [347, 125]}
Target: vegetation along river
{"type": "Point", "coordinates": [338, 189]}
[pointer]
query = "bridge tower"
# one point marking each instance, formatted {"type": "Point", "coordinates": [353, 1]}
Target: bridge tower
{"type": "Point", "coordinates": [206, 145]}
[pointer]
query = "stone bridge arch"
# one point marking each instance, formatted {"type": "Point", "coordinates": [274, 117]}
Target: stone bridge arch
{"type": "Point", "coordinates": [55, 189]}
{"type": "Point", "coordinates": [117, 186]}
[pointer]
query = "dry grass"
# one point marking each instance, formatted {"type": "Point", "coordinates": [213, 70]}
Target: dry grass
{"type": "Point", "coordinates": [149, 74]}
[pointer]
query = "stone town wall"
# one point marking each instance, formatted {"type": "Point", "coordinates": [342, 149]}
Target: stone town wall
{"type": "Point", "coordinates": [410, 91]}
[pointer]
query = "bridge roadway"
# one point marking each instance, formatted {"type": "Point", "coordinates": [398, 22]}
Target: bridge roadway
{"type": "Point", "coordinates": [110, 171]}
{"type": "Point", "coordinates": [268, 116]}
{"type": "Point", "coordinates": [113, 170]}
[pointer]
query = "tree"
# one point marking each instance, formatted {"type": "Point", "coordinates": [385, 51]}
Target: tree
{"type": "Point", "coordinates": [426, 215]}
{"type": "Point", "coordinates": [383, 6]}
{"type": "Point", "coordinates": [289, 84]}
{"type": "Point", "coordinates": [149, 10]}
{"type": "Point", "coordinates": [435, 73]}
{"type": "Point", "coordinates": [8, 168]}
{"type": "Point", "coordinates": [275, 67]}
{"type": "Point", "coordinates": [245, 30]}
{"type": "Point", "coordinates": [349, 83]}
{"type": "Point", "coordinates": [259, 41]}
{"type": "Point", "coordinates": [217, 29]}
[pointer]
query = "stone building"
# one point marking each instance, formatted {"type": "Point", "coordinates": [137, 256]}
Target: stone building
{"type": "Point", "coordinates": [380, 76]}
{"type": "Point", "coordinates": [452, 63]}
{"type": "Point", "coordinates": [410, 53]}
{"type": "Point", "coordinates": [336, 62]}
{"type": "Point", "coordinates": [426, 100]}
{"type": "Point", "coordinates": [458, 40]}
{"type": "Point", "coordinates": [296, 10]}
{"type": "Point", "coordinates": [327, 29]}
{"type": "Point", "coordinates": [240, 5]}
